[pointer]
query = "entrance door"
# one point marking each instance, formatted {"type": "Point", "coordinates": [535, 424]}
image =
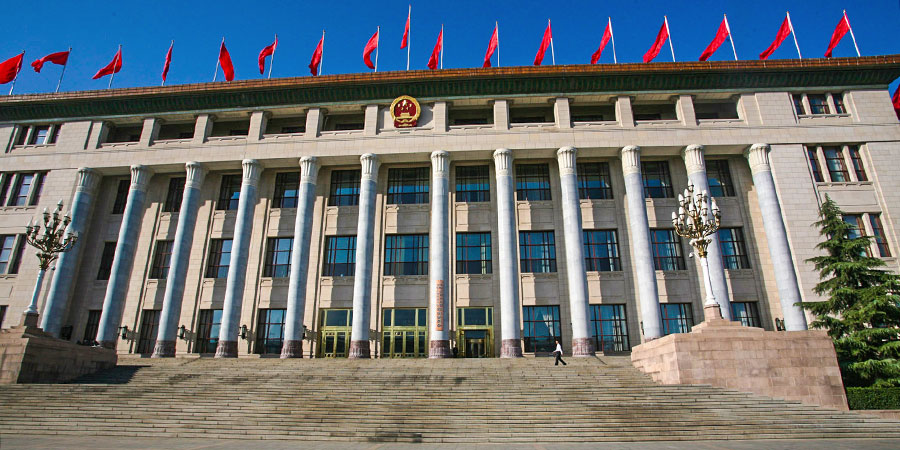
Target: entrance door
{"type": "Point", "coordinates": [475, 343]}
{"type": "Point", "coordinates": [334, 344]}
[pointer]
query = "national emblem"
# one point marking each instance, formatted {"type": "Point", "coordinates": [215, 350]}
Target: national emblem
{"type": "Point", "coordinates": [405, 112]}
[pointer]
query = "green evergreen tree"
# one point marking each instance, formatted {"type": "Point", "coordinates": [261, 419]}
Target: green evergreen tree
{"type": "Point", "coordinates": [861, 310]}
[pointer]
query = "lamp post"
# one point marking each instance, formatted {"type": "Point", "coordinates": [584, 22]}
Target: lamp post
{"type": "Point", "coordinates": [697, 219]}
{"type": "Point", "coordinates": [54, 240]}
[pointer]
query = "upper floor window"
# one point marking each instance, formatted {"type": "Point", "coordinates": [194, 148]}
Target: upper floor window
{"type": "Point", "coordinates": [407, 186]}
{"type": "Point", "coordinates": [21, 189]}
{"type": "Point", "coordinates": [856, 160]}
{"type": "Point", "coordinates": [123, 133]}
{"type": "Point", "coordinates": [287, 186]}
{"type": "Point", "coordinates": [715, 109]}
{"type": "Point", "coordinates": [470, 116]}
{"type": "Point", "coordinates": [37, 135]}
{"type": "Point", "coordinates": [798, 104]}
{"type": "Point", "coordinates": [344, 122]}
{"type": "Point", "coordinates": [878, 234]}
{"type": "Point", "coordinates": [746, 313]}
{"type": "Point", "coordinates": [838, 159]}
{"type": "Point", "coordinates": [593, 181]}
{"type": "Point", "coordinates": [834, 161]}
{"type": "Point", "coordinates": [340, 256]}
{"type": "Point", "coordinates": [838, 100]}
{"type": "Point", "coordinates": [676, 317]}
{"type": "Point", "coordinates": [106, 260]}
{"type": "Point", "coordinates": [473, 184]}
{"type": "Point", "coordinates": [161, 260]}
{"type": "Point", "coordinates": [473, 253]}
{"type": "Point", "coordinates": [11, 248]}
{"type": "Point", "coordinates": [174, 195]}
{"type": "Point", "coordinates": [654, 111]}
{"type": "Point", "coordinates": [819, 104]}
{"type": "Point", "coordinates": [278, 257]}
{"type": "Point", "coordinates": [734, 252]}
{"type": "Point", "coordinates": [229, 193]}
{"type": "Point", "coordinates": [657, 182]}
{"type": "Point", "coordinates": [406, 254]}
{"type": "Point", "coordinates": [585, 113]}
{"type": "Point", "coordinates": [537, 250]}
{"type": "Point", "coordinates": [719, 178]}
{"type": "Point", "coordinates": [230, 128]}
{"type": "Point", "coordinates": [601, 251]}
{"type": "Point", "coordinates": [609, 328]}
{"type": "Point", "coordinates": [541, 326]}
{"type": "Point", "coordinates": [531, 114]}
{"type": "Point", "coordinates": [286, 125]}
{"type": "Point", "coordinates": [270, 331]}
{"type": "Point", "coordinates": [344, 188]}
{"type": "Point", "coordinates": [666, 249]}
{"type": "Point", "coordinates": [813, 157]}
{"type": "Point", "coordinates": [219, 258]}
{"type": "Point", "coordinates": [121, 196]}
{"type": "Point", "coordinates": [532, 182]}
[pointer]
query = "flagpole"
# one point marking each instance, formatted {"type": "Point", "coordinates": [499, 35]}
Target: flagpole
{"type": "Point", "coordinates": [322, 56]}
{"type": "Point", "coordinates": [497, 26]}
{"type": "Point", "coordinates": [408, 16]}
{"type": "Point", "coordinates": [552, 53]}
{"type": "Point", "coordinates": [116, 59]}
{"type": "Point", "coordinates": [791, 26]}
{"type": "Point", "coordinates": [728, 29]}
{"type": "Point", "coordinates": [216, 73]}
{"type": "Point", "coordinates": [851, 34]}
{"type": "Point", "coordinates": [18, 69]}
{"type": "Point", "coordinates": [377, 39]}
{"type": "Point", "coordinates": [612, 37]}
{"type": "Point", "coordinates": [272, 61]}
{"type": "Point", "coordinates": [64, 70]}
{"type": "Point", "coordinates": [442, 46]}
{"type": "Point", "coordinates": [669, 33]}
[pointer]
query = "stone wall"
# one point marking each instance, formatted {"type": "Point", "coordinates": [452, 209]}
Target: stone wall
{"type": "Point", "coordinates": [28, 355]}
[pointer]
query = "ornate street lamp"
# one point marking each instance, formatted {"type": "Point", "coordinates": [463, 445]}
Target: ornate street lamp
{"type": "Point", "coordinates": [698, 219]}
{"type": "Point", "coordinates": [54, 240]}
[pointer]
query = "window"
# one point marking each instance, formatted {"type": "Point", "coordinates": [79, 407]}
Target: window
{"type": "Point", "coordinates": [601, 251]}
{"type": "Point", "coordinates": [406, 254]}
{"type": "Point", "coordinates": [839, 107]}
{"type": "Point", "coordinates": [473, 184]}
{"type": "Point", "coordinates": [219, 258]}
{"type": "Point", "coordinates": [278, 257]}
{"type": "Point", "coordinates": [37, 135]}
{"type": "Point", "coordinates": [532, 182]}
{"type": "Point", "coordinates": [286, 125]}
{"type": "Point", "coordinates": [2, 314]}
{"type": "Point", "coordinates": [121, 196]}
{"type": "Point", "coordinates": [106, 260]}
{"type": "Point", "coordinates": [344, 122]}
{"type": "Point", "coordinates": [148, 331]}
{"type": "Point", "coordinates": [208, 330]}
{"type": "Point", "coordinates": [161, 260]}
{"type": "Point", "coordinates": [344, 188]}
{"type": "Point", "coordinates": [878, 232]}
{"type": "Point", "coordinates": [814, 164]}
{"type": "Point", "coordinates": [857, 230]}
{"type": "Point", "coordinates": [592, 113]}
{"type": "Point", "coordinates": [657, 182]}
{"type": "Point", "coordinates": [287, 186]}
{"type": "Point", "coordinates": [834, 161]}
{"type": "Point", "coordinates": [538, 252]}
{"type": "Point", "coordinates": [174, 195]}
{"type": "Point", "coordinates": [666, 249]}
{"type": "Point", "coordinates": [473, 253]}
{"type": "Point", "coordinates": [734, 253]}
{"type": "Point", "coordinates": [856, 160]}
{"type": "Point", "coordinates": [11, 249]}
{"type": "Point", "coordinates": [654, 111]}
{"type": "Point", "coordinates": [404, 332]}
{"type": "Point", "coordinates": [474, 317]}
{"type": "Point", "coordinates": [798, 104]}
{"type": "Point", "coordinates": [676, 318]}
{"type": "Point", "coordinates": [340, 256]}
{"type": "Point", "coordinates": [230, 128]}
{"type": "Point", "coordinates": [169, 131]}
{"type": "Point", "coordinates": [229, 193]}
{"type": "Point", "coordinates": [123, 133]}
{"type": "Point", "coordinates": [407, 186]}
{"type": "Point", "coordinates": [593, 181]}
{"type": "Point", "coordinates": [609, 328]}
{"type": "Point", "coordinates": [531, 114]}
{"type": "Point", "coordinates": [93, 324]}
{"type": "Point", "coordinates": [21, 189]}
{"type": "Point", "coordinates": [470, 116]}
{"type": "Point", "coordinates": [270, 332]}
{"type": "Point", "coordinates": [542, 328]}
{"type": "Point", "coordinates": [719, 178]}
{"type": "Point", "coordinates": [746, 313]}
{"type": "Point", "coordinates": [715, 110]}
{"type": "Point", "coordinates": [818, 104]}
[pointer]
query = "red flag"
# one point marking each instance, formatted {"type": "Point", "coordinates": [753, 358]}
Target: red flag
{"type": "Point", "coordinates": [370, 47]}
{"type": "Point", "coordinates": [545, 42]}
{"type": "Point", "coordinates": [607, 35]}
{"type": "Point", "coordinates": [721, 35]}
{"type": "Point", "coordinates": [492, 47]}
{"type": "Point", "coordinates": [225, 62]}
{"type": "Point", "coordinates": [658, 43]}
{"type": "Point", "coordinates": [896, 101]}
{"type": "Point", "coordinates": [783, 33]}
{"type": "Point", "coordinates": [268, 50]}
{"type": "Point", "coordinates": [10, 68]}
{"type": "Point", "coordinates": [60, 58]}
{"type": "Point", "coordinates": [114, 66]}
{"type": "Point", "coordinates": [317, 57]}
{"type": "Point", "coordinates": [165, 71]}
{"type": "Point", "coordinates": [405, 41]}
{"type": "Point", "coordinates": [436, 53]}
{"type": "Point", "coordinates": [842, 28]}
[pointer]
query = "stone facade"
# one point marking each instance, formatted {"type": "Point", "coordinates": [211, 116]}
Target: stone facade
{"type": "Point", "coordinates": [28, 355]}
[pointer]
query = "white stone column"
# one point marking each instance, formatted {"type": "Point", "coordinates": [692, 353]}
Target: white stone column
{"type": "Point", "coordinates": [582, 344]}
{"type": "Point", "coordinates": [293, 325]}
{"type": "Point", "coordinates": [639, 229]}
{"type": "Point", "coordinates": [123, 261]}
{"type": "Point", "coordinates": [776, 235]}
{"type": "Point", "coordinates": [237, 267]}
{"type": "Point", "coordinates": [365, 242]}
{"type": "Point", "coordinates": [439, 257]}
{"type": "Point", "coordinates": [69, 262]}
{"type": "Point", "coordinates": [507, 241]}
{"type": "Point", "coordinates": [179, 261]}
{"type": "Point", "coordinates": [695, 163]}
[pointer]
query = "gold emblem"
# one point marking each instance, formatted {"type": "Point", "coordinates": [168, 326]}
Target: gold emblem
{"type": "Point", "coordinates": [405, 112]}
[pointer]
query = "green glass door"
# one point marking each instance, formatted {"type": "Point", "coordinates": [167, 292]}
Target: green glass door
{"type": "Point", "coordinates": [475, 332]}
{"type": "Point", "coordinates": [334, 333]}
{"type": "Point", "coordinates": [404, 333]}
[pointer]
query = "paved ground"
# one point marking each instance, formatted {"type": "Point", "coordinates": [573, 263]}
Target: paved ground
{"type": "Point", "coordinates": [8, 442]}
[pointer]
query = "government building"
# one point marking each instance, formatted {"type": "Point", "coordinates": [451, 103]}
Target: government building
{"type": "Point", "coordinates": [460, 212]}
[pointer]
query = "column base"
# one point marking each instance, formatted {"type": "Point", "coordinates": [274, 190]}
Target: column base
{"type": "Point", "coordinates": [712, 312]}
{"type": "Point", "coordinates": [108, 344]}
{"type": "Point", "coordinates": [359, 350]}
{"type": "Point", "coordinates": [226, 349]}
{"type": "Point", "coordinates": [439, 349]}
{"type": "Point", "coordinates": [583, 347]}
{"type": "Point", "coordinates": [511, 348]}
{"type": "Point", "coordinates": [164, 349]}
{"type": "Point", "coordinates": [292, 349]}
{"type": "Point", "coordinates": [30, 319]}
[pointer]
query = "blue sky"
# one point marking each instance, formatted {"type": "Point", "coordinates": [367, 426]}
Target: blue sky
{"type": "Point", "coordinates": [94, 30]}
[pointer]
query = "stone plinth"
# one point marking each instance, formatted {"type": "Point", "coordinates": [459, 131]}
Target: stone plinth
{"type": "Point", "coordinates": [29, 355]}
{"type": "Point", "coordinates": [791, 365]}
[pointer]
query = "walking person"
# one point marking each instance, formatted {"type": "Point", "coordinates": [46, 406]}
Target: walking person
{"type": "Point", "coordinates": [558, 352]}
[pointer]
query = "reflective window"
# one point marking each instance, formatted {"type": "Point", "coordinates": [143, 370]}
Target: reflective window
{"type": "Point", "coordinates": [746, 313]}
{"type": "Point", "coordinates": [818, 104]}
{"type": "Point", "coordinates": [344, 188]}
{"type": "Point", "coordinates": [161, 260]}
{"type": "Point", "coordinates": [148, 331]}
{"type": "Point", "coordinates": [219, 258]}
{"type": "Point", "coordinates": [834, 161]}
{"type": "Point", "coordinates": [542, 328]}
{"type": "Point", "coordinates": [532, 182]}
{"type": "Point", "coordinates": [666, 249]}
{"type": "Point", "coordinates": [814, 164]}
{"type": "Point", "coordinates": [594, 181]}
{"type": "Point", "coordinates": [609, 328]}
{"type": "Point", "coordinates": [208, 330]}
{"type": "Point", "coordinates": [286, 188]}
{"type": "Point", "coordinates": [11, 249]}
{"type": "Point", "coordinates": [856, 159]}
{"type": "Point", "coordinates": [537, 251]}
{"type": "Point", "coordinates": [676, 317]}
{"type": "Point", "coordinates": [734, 252]}
{"type": "Point", "coordinates": [719, 178]}
{"type": "Point", "coordinates": [657, 182]}
{"type": "Point", "coordinates": [406, 254]}
{"type": "Point", "coordinates": [601, 251]}
{"type": "Point", "coordinates": [880, 239]}
{"type": "Point", "coordinates": [473, 184]}
{"type": "Point", "coordinates": [270, 331]}
{"type": "Point", "coordinates": [473, 253]}
{"type": "Point", "coordinates": [407, 186]}
{"type": "Point", "coordinates": [340, 256]}
{"type": "Point", "coordinates": [404, 333]}
{"type": "Point", "coordinates": [229, 193]}
{"type": "Point", "coordinates": [278, 257]}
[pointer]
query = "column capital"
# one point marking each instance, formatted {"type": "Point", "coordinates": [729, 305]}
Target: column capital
{"type": "Point", "coordinates": [631, 159]}
{"type": "Point", "coordinates": [503, 161]}
{"type": "Point", "coordinates": [309, 169]}
{"type": "Point", "coordinates": [440, 163]}
{"type": "Point", "coordinates": [252, 168]}
{"type": "Point", "coordinates": [196, 173]}
{"type": "Point", "coordinates": [88, 179]}
{"type": "Point", "coordinates": [694, 160]}
{"type": "Point", "coordinates": [758, 157]}
{"type": "Point", "coordinates": [140, 177]}
{"type": "Point", "coordinates": [370, 166]}
{"type": "Point", "coordinates": [566, 158]}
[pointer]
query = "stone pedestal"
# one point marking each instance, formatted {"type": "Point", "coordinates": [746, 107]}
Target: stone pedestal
{"type": "Point", "coordinates": [791, 365]}
{"type": "Point", "coordinates": [29, 355]}
{"type": "Point", "coordinates": [30, 319]}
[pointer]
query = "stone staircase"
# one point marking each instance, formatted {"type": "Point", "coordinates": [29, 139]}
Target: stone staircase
{"type": "Point", "coordinates": [484, 400]}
